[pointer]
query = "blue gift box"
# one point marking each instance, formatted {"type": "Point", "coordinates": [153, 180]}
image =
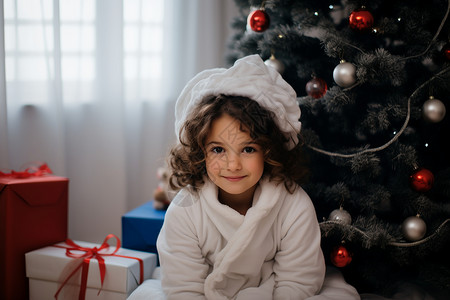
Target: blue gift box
{"type": "Point", "coordinates": [141, 226]}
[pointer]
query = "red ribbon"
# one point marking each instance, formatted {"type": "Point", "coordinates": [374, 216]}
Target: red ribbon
{"type": "Point", "coordinates": [87, 255]}
{"type": "Point", "coordinates": [29, 172]}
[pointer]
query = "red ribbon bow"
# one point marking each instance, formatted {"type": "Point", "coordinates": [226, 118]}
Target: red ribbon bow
{"type": "Point", "coordinates": [28, 172]}
{"type": "Point", "coordinates": [87, 255]}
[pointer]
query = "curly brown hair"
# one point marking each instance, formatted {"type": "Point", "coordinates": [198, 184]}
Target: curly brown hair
{"type": "Point", "coordinates": [187, 158]}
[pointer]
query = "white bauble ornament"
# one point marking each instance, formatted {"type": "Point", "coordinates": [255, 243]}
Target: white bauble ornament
{"type": "Point", "coordinates": [340, 215]}
{"type": "Point", "coordinates": [414, 228]}
{"type": "Point", "coordinates": [433, 110]}
{"type": "Point", "coordinates": [344, 74]}
{"type": "Point", "coordinates": [275, 63]}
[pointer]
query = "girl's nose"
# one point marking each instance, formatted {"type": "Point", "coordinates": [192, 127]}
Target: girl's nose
{"type": "Point", "coordinates": [233, 162]}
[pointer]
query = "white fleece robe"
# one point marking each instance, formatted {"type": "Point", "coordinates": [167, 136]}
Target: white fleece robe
{"type": "Point", "coordinates": [208, 250]}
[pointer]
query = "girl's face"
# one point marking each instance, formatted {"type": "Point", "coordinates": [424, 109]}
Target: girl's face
{"type": "Point", "coordinates": [234, 162]}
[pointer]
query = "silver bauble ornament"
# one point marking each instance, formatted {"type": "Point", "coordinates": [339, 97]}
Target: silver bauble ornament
{"type": "Point", "coordinates": [433, 110]}
{"type": "Point", "coordinates": [344, 74]}
{"type": "Point", "coordinates": [275, 63]}
{"type": "Point", "coordinates": [340, 215]}
{"type": "Point", "coordinates": [414, 228]}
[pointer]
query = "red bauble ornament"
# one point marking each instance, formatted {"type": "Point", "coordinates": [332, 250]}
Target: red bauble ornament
{"type": "Point", "coordinates": [258, 20]}
{"type": "Point", "coordinates": [316, 88]}
{"type": "Point", "coordinates": [446, 51]}
{"type": "Point", "coordinates": [340, 257]}
{"type": "Point", "coordinates": [422, 180]}
{"type": "Point", "coordinates": [361, 19]}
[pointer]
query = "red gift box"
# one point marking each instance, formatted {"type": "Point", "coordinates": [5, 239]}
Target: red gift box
{"type": "Point", "coordinates": [33, 214]}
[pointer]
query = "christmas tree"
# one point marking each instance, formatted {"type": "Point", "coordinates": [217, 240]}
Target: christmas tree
{"type": "Point", "coordinates": [373, 83]}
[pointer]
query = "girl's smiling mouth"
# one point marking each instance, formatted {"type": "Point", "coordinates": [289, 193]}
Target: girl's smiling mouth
{"type": "Point", "coordinates": [234, 178]}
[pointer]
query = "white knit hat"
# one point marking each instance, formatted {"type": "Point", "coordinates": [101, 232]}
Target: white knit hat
{"type": "Point", "coordinates": [248, 77]}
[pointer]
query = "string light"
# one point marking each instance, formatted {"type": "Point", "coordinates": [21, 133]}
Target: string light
{"type": "Point", "coordinates": [325, 224]}
{"type": "Point", "coordinates": [397, 135]}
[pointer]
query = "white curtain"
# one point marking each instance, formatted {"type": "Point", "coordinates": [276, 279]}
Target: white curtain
{"type": "Point", "coordinates": [88, 86]}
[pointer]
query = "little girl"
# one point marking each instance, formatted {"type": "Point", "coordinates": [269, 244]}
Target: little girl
{"type": "Point", "coordinates": [240, 227]}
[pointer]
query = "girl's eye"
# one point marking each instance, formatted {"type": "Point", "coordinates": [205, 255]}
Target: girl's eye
{"type": "Point", "coordinates": [217, 150]}
{"type": "Point", "coordinates": [249, 150]}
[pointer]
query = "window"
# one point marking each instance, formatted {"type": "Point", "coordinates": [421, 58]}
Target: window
{"type": "Point", "coordinates": [52, 48]}
{"type": "Point", "coordinates": [143, 47]}
{"type": "Point", "coordinates": [29, 47]}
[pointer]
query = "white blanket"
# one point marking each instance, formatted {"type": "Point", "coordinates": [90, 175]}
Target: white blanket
{"type": "Point", "coordinates": [334, 288]}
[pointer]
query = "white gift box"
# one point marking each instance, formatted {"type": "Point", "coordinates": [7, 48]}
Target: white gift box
{"type": "Point", "coordinates": [48, 267]}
